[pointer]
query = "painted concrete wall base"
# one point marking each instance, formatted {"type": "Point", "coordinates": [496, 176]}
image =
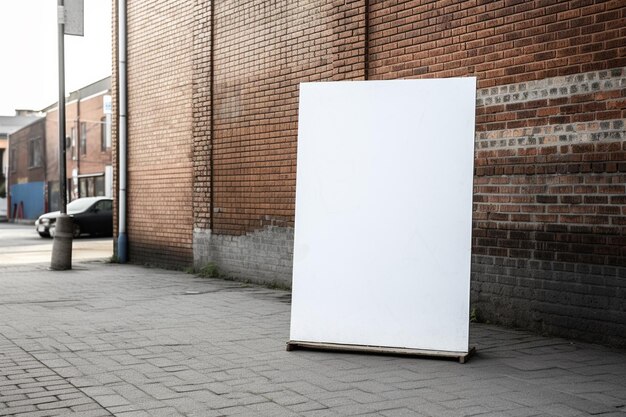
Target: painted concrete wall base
{"type": "Point", "coordinates": [27, 200]}
{"type": "Point", "coordinates": [263, 256]}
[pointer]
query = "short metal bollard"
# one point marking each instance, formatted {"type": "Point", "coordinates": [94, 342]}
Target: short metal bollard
{"type": "Point", "coordinates": [62, 244]}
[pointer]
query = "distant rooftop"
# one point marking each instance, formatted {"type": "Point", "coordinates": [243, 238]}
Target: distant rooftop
{"type": "Point", "coordinates": [9, 124]}
{"type": "Point", "coordinates": [26, 112]}
{"type": "Point", "coordinates": [87, 91]}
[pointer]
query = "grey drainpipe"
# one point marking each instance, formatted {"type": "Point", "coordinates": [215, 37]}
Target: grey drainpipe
{"type": "Point", "coordinates": [122, 238]}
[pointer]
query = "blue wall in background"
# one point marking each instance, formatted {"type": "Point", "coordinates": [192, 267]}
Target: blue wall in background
{"type": "Point", "coordinates": [31, 195]}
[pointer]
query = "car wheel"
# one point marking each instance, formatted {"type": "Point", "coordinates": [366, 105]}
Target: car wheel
{"type": "Point", "coordinates": [76, 231]}
{"type": "Point", "coordinates": [52, 231]}
{"type": "Point", "coordinates": [42, 234]}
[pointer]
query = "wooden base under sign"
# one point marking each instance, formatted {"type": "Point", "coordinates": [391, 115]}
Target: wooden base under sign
{"type": "Point", "coordinates": [461, 356]}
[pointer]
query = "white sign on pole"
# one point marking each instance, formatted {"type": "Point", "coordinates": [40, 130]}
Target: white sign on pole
{"type": "Point", "coordinates": [107, 109]}
{"type": "Point", "coordinates": [74, 21]}
{"type": "Point", "coordinates": [107, 104]}
{"type": "Point", "coordinates": [383, 214]}
{"type": "Point", "coordinates": [108, 181]}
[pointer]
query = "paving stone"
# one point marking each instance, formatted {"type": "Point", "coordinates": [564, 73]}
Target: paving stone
{"type": "Point", "coordinates": [164, 412]}
{"type": "Point", "coordinates": [12, 398]}
{"type": "Point", "coordinates": [399, 412]}
{"type": "Point", "coordinates": [44, 413]}
{"type": "Point", "coordinates": [91, 413]}
{"type": "Point", "coordinates": [110, 400]}
{"type": "Point", "coordinates": [321, 413]}
{"type": "Point", "coordinates": [9, 411]}
{"type": "Point", "coordinates": [65, 403]}
{"type": "Point", "coordinates": [133, 414]}
{"type": "Point", "coordinates": [33, 401]}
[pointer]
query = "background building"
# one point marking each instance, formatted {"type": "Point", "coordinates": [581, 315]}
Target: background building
{"type": "Point", "coordinates": [88, 148]}
{"type": "Point", "coordinates": [27, 171]}
{"type": "Point", "coordinates": [8, 125]}
{"type": "Point", "coordinates": [213, 101]}
{"type": "Point", "coordinates": [34, 154]}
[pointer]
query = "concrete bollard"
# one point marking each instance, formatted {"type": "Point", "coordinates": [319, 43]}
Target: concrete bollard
{"type": "Point", "coordinates": [62, 244]}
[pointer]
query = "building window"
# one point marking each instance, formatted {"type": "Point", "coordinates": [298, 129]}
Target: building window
{"type": "Point", "coordinates": [73, 137]}
{"type": "Point", "coordinates": [83, 138]}
{"type": "Point", "coordinates": [34, 153]}
{"type": "Point", "coordinates": [103, 134]}
{"type": "Point", "coordinates": [13, 160]}
{"type": "Point", "coordinates": [92, 186]}
{"type": "Point", "coordinates": [99, 185]}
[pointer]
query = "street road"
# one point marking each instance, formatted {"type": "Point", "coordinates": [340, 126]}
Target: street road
{"type": "Point", "coordinates": [20, 244]}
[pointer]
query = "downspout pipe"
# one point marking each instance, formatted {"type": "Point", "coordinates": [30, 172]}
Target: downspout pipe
{"type": "Point", "coordinates": [212, 120]}
{"type": "Point", "coordinates": [122, 238]}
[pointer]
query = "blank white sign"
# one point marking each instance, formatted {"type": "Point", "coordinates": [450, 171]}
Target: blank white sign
{"type": "Point", "coordinates": [383, 213]}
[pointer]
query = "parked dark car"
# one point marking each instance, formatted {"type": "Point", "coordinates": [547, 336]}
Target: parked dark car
{"type": "Point", "coordinates": [91, 215]}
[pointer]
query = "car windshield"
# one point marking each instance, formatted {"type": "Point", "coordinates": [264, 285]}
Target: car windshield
{"type": "Point", "coordinates": [79, 205]}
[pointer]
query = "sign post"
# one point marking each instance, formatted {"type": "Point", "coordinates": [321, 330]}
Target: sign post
{"type": "Point", "coordinates": [70, 21]}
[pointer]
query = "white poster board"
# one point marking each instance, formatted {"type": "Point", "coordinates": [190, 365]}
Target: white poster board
{"type": "Point", "coordinates": [384, 214]}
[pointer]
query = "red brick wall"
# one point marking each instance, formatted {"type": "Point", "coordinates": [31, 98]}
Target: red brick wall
{"type": "Point", "coordinates": [500, 42]}
{"type": "Point", "coordinates": [160, 170]}
{"type": "Point", "coordinates": [19, 170]}
{"type": "Point", "coordinates": [91, 113]}
{"type": "Point", "coordinates": [549, 238]}
{"type": "Point", "coordinates": [78, 110]}
{"type": "Point", "coordinates": [557, 193]}
{"type": "Point", "coordinates": [252, 57]}
{"type": "Point", "coordinates": [86, 110]}
{"type": "Point", "coordinates": [202, 113]}
{"type": "Point", "coordinates": [261, 54]}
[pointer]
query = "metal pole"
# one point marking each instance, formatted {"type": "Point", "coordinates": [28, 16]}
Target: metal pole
{"type": "Point", "coordinates": [62, 168]}
{"type": "Point", "coordinates": [122, 238]}
{"type": "Point", "coordinates": [62, 245]}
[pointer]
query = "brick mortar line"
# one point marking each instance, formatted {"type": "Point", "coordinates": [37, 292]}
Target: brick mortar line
{"type": "Point", "coordinates": [55, 373]}
{"type": "Point", "coordinates": [478, 260]}
{"type": "Point", "coordinates": [555, 87]}
{"type": "Point", "coordinates": [475, 226]}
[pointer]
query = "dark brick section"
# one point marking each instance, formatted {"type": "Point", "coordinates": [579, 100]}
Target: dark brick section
{"type": "Point", "coordinates": [555, 208]}
{"type": "Point", "coordinates": [575, 300]}
{"type": "Point", "coordinates": [549, 238]}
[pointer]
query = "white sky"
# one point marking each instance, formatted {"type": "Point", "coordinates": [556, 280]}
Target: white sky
{"type": "Point", "coordinates": [29, 51]}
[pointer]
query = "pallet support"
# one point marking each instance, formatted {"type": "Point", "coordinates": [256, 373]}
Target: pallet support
{"type": "Point", "coordinates": [462, 357]}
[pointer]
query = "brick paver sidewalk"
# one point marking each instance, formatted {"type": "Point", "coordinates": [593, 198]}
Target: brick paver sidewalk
{"type": "Point", "coordinates": [124, 340]}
